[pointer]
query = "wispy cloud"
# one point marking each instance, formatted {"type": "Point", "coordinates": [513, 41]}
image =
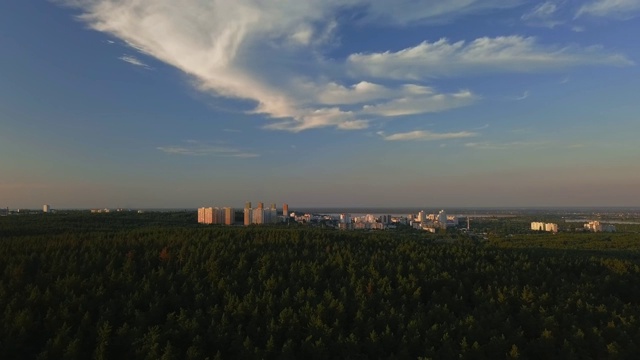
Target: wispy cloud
{"type": "Point", "coordinates": [424, 135]}
{"type": "Point", "coordinates": [134, 61]}
{"type": "Point", "coordinates": [624, 9]}
{"type": "Point", "coordinates": [421, 103]}
{"type": "Point", "coordinates": [197, 148]}
{"type": "Point", "coordinates": [404, 12]}
{"type": "Point", "coordinates": [542, 15]}
{"type": "Point", "coordinates": [273, 53]}
{"type": "Point", "coordinates": [500, 54]}
{"type": "Point", "coordinates": [504, 146]}
{"type": "Point", "coordinates": [523, 96]}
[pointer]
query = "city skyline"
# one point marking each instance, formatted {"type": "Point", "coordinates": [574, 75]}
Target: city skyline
{"type": "Point", "coordinates": [150, 104]}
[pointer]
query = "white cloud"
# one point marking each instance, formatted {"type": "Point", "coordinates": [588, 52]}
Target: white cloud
{"type": "Point", "coordinates": [197, 148]}
{"type": "Point", "coordinates": [423, 135]}
{"type": "Point", "coordinates": [134, 61]}
{"type": "Point", "coordinates": [611, 8]}
{"type": "Point", "coordinates": [361, 92]}
{"type": "Point", "coordinates": [500, 54]}
{"type": "Point", "coordinates": [270, 52]}
{"type": "Point", "coordinates": [319, 118]}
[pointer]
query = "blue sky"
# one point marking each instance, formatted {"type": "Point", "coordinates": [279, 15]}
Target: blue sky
{"type": "Point", "coordinates": [159, 103]}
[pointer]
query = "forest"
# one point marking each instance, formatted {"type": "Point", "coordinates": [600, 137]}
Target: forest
{"type": "Point", "coordinates": [161, 286]}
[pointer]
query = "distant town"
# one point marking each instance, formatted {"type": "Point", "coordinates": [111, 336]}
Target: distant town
{"type": "Point", "coordinates": [429, 222]}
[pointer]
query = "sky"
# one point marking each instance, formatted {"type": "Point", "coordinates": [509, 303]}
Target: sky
{"type": "Point", "coordinates": [404, 103]}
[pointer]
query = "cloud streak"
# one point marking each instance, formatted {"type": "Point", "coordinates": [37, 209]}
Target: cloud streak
{"type": "Point", "coordinates": [197, 148]}
{"type": "Point", "coordinates": [542, 15]}
{"type": "Point", "coordinates": [503, 146]}
{"type": "Point", "coordinates": [134, 61]}
{"type": "Point", "coordinates": [423, 135]}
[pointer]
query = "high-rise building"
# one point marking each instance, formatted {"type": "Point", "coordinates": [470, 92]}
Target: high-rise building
{"type": "Point", "coordinates": [200, 215]}
{"type": "Point", "coordinates": [247, 205]}
{"type": "Point", "coordinates": [442, 219]}
{"type": "Point", "coordinates": [208, 215]}
{"type": "Point", "coordinates": [260, 205]}
{"type": "Point", "coordinates": [345, 218]}
{"type": "Point", "coordinates": [214, 215]}
{"type": "Point", "coordinates": [248, 216]}
{"type": "Point", "coordinates": [285, 210]}
{"type": "Point", "coordinates": [421, 216]}
{"type": "Point", "coordinates": [46, 208]}
{"type": "Point", "coordinates": [269, 216]}
{"type": "Point", "coordinates": [229, 216]}
{"type": "Point", "coordinates": [257, 216]}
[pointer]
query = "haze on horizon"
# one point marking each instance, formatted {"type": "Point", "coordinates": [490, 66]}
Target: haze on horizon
{"type": "Point", "coordinates": [164, 104]}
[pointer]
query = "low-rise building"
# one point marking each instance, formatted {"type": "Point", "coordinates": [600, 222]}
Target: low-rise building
{"type": "Point", "coordinates": [541, 226]}
{"type": "Point", "coordinates": [596, 226]}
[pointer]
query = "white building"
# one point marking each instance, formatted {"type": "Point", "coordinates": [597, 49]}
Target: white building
{"type": "Point", "coordinates": [422, 216]}
{"type": "Point", "coordinates": [596, 226]}
{"type": "Point", "coordinates": [46, 208]}
{"type": "Point", "coordinates": [537, 226]}
{"type": "Point", "coordinates": [541, 226]}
